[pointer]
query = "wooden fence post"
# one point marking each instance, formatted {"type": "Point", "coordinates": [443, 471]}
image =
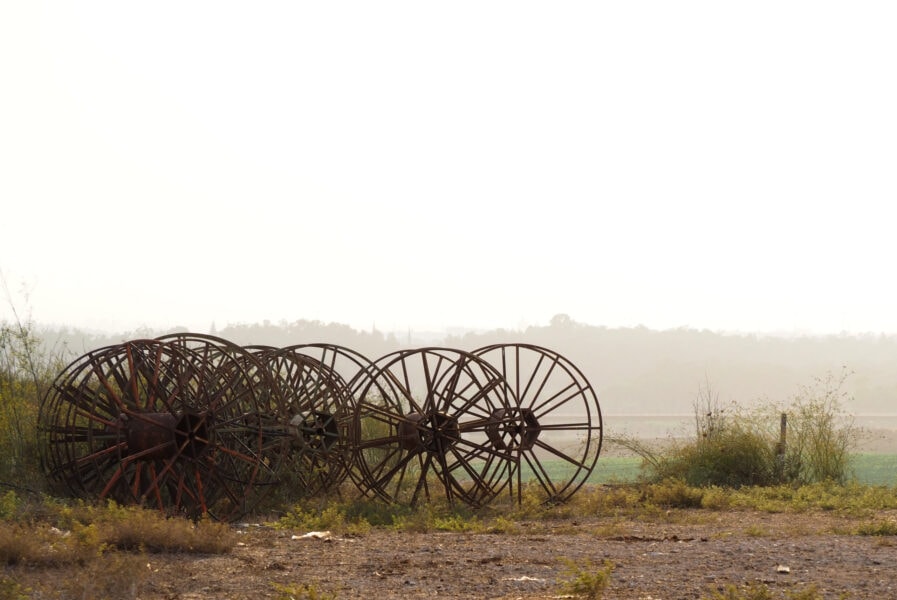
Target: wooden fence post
{"type": "Point", "coordinates": [780, 447]}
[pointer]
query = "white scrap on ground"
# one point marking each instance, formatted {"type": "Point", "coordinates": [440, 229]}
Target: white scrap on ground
{"type": "Point", "coordinates": [314, 535]}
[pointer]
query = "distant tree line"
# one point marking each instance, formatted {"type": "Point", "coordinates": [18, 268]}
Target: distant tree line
{"type": "Point", "coordinates": [635, 370]}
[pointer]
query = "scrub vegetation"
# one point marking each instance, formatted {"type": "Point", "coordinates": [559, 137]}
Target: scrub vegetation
{"type": "Point", "coordinates": [26, 369]}
{"type": "Point", "coordinates": [808, 440]}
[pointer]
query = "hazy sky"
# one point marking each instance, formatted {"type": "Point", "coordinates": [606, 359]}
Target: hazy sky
{"type": "Point", "coordinates": [422, 165]}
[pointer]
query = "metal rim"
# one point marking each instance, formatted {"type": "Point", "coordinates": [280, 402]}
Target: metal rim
{"type": "Point", "coordinates": [315, 416]}
{"type": "Point", "coordinates": [422, 428]}
{"type": "Point", "coordinates": [157, 424]}
{"type": "Point", "coordinates": [555, 428]}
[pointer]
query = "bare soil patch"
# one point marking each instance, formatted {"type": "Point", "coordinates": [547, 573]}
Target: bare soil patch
{"type": "Point", "coordinates": [674, 554]}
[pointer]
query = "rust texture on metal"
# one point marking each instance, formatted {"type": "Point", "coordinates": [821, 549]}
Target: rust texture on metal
{"type": "Point", "coordinates": [196, 425]}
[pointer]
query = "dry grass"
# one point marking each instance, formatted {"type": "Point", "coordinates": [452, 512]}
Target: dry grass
{"type": "Point", "coordinates": [98, 552]}
{"type": "Point", "coordinates": [42, 544]}
{"type": "Point", "coordinates": [148, 531]}
{"type": "Point", "coordinates": [102, 549]}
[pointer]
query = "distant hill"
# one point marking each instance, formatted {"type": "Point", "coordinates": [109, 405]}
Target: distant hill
{"type": "Point", "coordinates": [638, 370]}
{"type": "Point", "coordinates": [634, 370]}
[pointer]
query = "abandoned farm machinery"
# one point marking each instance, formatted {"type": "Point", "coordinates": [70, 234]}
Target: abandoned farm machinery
{"type": "Point", "coordinates": [194, 424]}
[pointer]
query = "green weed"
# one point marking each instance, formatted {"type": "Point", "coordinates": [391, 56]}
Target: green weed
{"type": "Point", "coordinates": [755, 531]}
{"type": "Point", "coordinates": [303, 591]}
{"type": "Point", "coordinates": [585, 579]}
{"type": "Point", "coordinates": [25, 372]}
{"type": "Point", "coordinates": [503, 525]}
{"type": "Point", "coordinates": [878, 528]}
{"type": "Point", "coordinates": [338, 518]}
{"type": "Point", "coordinates": [459, 523]}
{"type": "Point", "coordinates": [9, 505]}
{"type": "Point", "coordinates": [756, 591]}
{"type": "Point", "coordinates": [673, 493]}
{"type": "Point", "coordinates": [10, 589]}
{"type": "Point", "coordinates": [732, 592]}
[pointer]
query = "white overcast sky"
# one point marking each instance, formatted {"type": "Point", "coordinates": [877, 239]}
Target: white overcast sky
{"type": "Point", "coordinates": [423, 165]}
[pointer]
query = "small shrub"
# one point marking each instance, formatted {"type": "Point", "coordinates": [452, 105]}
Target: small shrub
{"type": "Point", "coordinates": [755, 531]}
{"type": "Point", "coordinates": [25, 372]}
{"type": "Point", "coordinates": [335, 517]}
{"type": "Point", "coordinates": [10, 589]}
{"type": "Point", "coordinates": [503, 525]}
{"type": "Point", "coordinates": [673, 493]}
{"type": "Point", "coordinates": [716, 498]}
{"type": "Point", "coordinates": [301, 592]}
{"type": "Point", "coordinates": [603, 500]}
{"type": "Point", "coordinates": [732, 458]}
{"type": "Point", "coordinates": [820, 438]}
{"type": "Point", "coordinates": [458, 523]}
{"type": "Point", "coordinates": [532, 503]}
{"type": "Point", "coordinates": [878, 528]}
{"type": "Point", "coordinates": [9, 505]}
{"type": "Point", "coordinates": [585, 580]}
{"type": "Point", "coordinates": [808, 593]}
{"type": "Point", "coordinates": [732, 592]}
{"type": "Point", "coordinates": [421, 520]}
{"type": "Point", "coordinates": [366, 513]}
{"type": "Point", "coordinates": [733, 447]}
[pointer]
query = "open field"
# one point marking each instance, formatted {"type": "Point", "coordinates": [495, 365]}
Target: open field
{"type": "Point", "coordinates": [874, 458]}
{"type": "Point", "coordinates": [869, 469]}
{"type": "Point", "coordinates": [876, 433]}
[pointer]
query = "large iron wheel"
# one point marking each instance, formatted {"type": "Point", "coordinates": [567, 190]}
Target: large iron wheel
{"type": "Point", "coordinates": [157, 424]}
{"type": "Point", "coordinates": [239, 370]}
{"type": "Point", "coordinates": [423, 425]}
{"type": "Point", "coordinates": [315, 414]}
{"type": "Point", "coordinates": [353, 367]}
{"type": "Point", "coordinates": [554, 429]}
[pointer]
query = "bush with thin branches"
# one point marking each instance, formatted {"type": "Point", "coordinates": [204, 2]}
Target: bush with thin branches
{"type": "Point", "coordinates": [27, 369]}
{"type": "Point", "coordinates": [734, 446]}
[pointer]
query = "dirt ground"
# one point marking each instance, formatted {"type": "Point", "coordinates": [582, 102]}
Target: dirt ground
{"type": "Point", "coordinates": [681, 554]}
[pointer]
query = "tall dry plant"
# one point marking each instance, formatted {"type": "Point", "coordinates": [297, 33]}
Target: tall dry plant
{"type": "Point", "coordinates": [821, 435]}
{"type": "Point", "coordinates": [26, 370]}
{"type": "Point", "coordinates": [734, 446]}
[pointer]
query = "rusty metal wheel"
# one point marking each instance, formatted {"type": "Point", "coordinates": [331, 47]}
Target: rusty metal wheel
{"type": "Point", "coordinates": [555, 427]}
{"type": "Point", "coordinates": [422, 428]}
{"type": "Point", "coordinates": [353, 367]}
{"type": "Point", "coordinates": [158, 424]}
{"type": "Point", "coordinates": [239, 370]}
{"type": "Point", "coordinates": [315, 415]}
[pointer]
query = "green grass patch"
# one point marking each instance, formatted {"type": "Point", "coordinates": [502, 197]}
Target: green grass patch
{"type": "Point", "coordinates": [878, 528]}
{"type": "Point", "coordinates": [301, 591]}
{"type": "Point", "coordinates": [585, 579]}
{"type": "Point", "coordinates": [874, 469]}
{"type": "Point", "coordinates": [616, 469]}
{"type": "Point", "coordinates": [759, 591]}
{"type": "Point", "coordinates": [866, 469]}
